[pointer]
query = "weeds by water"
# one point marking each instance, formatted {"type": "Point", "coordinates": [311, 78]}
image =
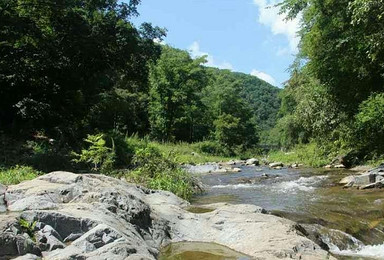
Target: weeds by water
{"type": "Point", "coordinates": [17, 174]}
{"type": "Point", "coordinates": [158, 171]}
{"type": "Point", "coordinates": [308, 154]}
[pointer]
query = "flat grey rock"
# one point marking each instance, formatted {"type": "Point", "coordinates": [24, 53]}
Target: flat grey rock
{"type": "Point", "coordinates": [91, 216]}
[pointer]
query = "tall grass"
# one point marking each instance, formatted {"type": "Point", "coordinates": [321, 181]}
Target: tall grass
{"type": "Point", "coordinates": [17, 174]}
{"type": "Point", "coordinates": [158, 171]}
{"type": "Point", "coordinates": [183, 153]}
{"type": "Point", "coordinates": [308, 154]}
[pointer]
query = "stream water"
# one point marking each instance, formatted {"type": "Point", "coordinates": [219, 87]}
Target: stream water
{"type": "Point", "coordinates": [308, 196]}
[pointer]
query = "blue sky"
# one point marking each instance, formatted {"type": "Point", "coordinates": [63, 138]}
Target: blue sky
{"type": "Point", "coordinates": [241, 35]}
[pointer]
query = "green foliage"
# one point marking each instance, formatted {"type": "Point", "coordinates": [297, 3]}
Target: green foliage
{"type": "Point", "coordinates": [124, 108]}
{"type": "Point", "coordinates": [232, 118]}
{"type": "Point", "coordinates": [287, 133]}
{"type": "Point", "coordinates": [175, 107]}
{"type": "Point", "coordinates": [123, 148]}
{"type": "Point", "coordinates": [228, 130]}
{"type": "Point", "coordinates": [334, 94]}
{"type": "Point", "coordinates": [17, 174]}
{"type": "Point", "coordinates": [47, 154]}
{"type": "Point", "coordinates": [260, 98]}
{"type": "Point", "coordinates": [340, 40]}
{"type": "Point", "coordinates": [28, 227]}
{"type": "Point", "coordinates": [98, 154]}
{"type": "Point", "coordinates": [369, 126]}
{"type": "Point", "coordinates": [157, 171]}
{"type": "Point", "coordinates": [182, 152]}
{"type": "Point", "coordinates": [58, 59]}
{"type": "Point", "coordinates": [210, 147]}
{"type": "Point", "coordinates": [179, 112]}
{"type": "Point", "coordinates": [40, 152]}
{"type": "Point", "coordinates": [308, 154]}
{"type": "Point", "coordinates": [233, 135]}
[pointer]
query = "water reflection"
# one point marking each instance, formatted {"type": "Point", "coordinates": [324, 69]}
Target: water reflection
{"type": "Point", "coordinates": [200, 251]}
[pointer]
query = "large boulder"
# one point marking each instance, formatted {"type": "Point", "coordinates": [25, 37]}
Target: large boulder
{"type": "Point", "coordinates": [373, 178]}
{"type": "Point", "coordinates": [201, 169]}
{"type": "Point", "coordinates": [276, 164]}
{"type": "Point", "coordinates": [252, 161]}
{"type": "Point", "coordinates": [97, 217]}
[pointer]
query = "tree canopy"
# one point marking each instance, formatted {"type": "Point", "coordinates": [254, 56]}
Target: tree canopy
{"type": "Point", "coordinates": [58, 57]}
{"type": "Point", "coordinates": [338, 72]}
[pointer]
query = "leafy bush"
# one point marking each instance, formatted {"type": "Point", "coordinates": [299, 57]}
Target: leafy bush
{"type": "Point", "coordinates": [17, 174]}
{"type": "Point", "coordinates": [98, 154]}
{"type": "Point", "coordinates": [369, 126]}
{"type": "Point", "coordinates": [157, 171]}
{"type": "Point", "coordinates": [209, 147]}
{"type": "Point", "coordinates": [47, 155]}
{"type": "Point", "coordinates": [123, 149]}
{"type": "Point", "coordinates": [28, 227]}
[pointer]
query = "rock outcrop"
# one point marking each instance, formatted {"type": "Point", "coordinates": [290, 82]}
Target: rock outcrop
{"type": "Point", "coordinates": [67, 216]}
{"type": "Point", "coordinates": [252, 162]}
{"type": "Point", "coordinates": [276, 165]}
{"type": "Point", "coordinates": [373, 178]}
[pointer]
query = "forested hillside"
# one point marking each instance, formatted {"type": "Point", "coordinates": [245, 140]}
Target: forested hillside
{"type": "Point", "coordinates": [263, 99]}
{"type": "Point", "coordinates": [335, 97]}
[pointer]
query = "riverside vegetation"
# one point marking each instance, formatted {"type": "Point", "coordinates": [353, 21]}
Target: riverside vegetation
{"type": "Point", "coordinates": [85, 90]}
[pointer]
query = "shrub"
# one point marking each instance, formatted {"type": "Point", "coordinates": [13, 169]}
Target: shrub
{"type": "Point", "coordinates": [47, 155]}
{"type": "Point", "coordinates": [209, 147]}
{"type": "Point", "coordinates": [28, 227]}
{"type": "Point", "coordinates": [123, 150]}
{"type": "Point", "coordinates": [369, 126]}
{"type": "Point", "coordinates": [98, 154]}
{"type": "Point", "coordinates": [157, 171]}
{"type": "Point", "coordinates": [17, 174]}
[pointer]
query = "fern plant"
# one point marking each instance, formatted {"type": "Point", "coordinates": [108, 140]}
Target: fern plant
{"type": "Point", "coordinates": [98, 154]}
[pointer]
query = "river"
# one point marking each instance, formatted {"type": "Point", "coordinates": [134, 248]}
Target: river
{"type": "Point", "coordinates": [310, 197]}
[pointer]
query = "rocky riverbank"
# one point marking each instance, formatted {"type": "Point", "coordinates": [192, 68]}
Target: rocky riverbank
{"type": "Point", "coordinates": [373, 178]}
{"type": "Point", "coordinates": [63, 215]}
{"type": "Point", "coordinates": [234, 166]}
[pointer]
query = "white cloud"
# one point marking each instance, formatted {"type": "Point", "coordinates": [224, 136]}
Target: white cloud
{"type": "Point", "coordinates": [269, 16]}
{"type": "Point", "coordinates": [195, 51]}
{"type": "Point", "coordinates": [264, 76]}
{"type": "Point", "coordinates": [159, 41]}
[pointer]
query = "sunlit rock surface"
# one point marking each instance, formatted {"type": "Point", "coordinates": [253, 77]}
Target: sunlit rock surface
{"type": "Point", "coordinates": [98, 217]}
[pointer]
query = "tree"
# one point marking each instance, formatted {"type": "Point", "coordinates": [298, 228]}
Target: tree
{"type": "Point", "coordinates": [58, 56]}
{"type": "Point", "coordinates": [175, 108]}
{"type": "Point", "coordinates": [369, 126]}
{"type": "Point", "coordinates": [340, 40]}
{"type": "Point", "coordinates": [340, 69]}
{"type": "Point", "coordinates": [233, 119]}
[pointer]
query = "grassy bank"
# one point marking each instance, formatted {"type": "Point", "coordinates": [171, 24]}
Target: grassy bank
{"type": "Point", "coordinates": [185, 153]}
{"type": "Point", "coordinates": [140, 160]}
{"type": "Point", "coordinates": [314, 155]}
{"type": "Point", "coordinates": [17, 174]}
{"type": "Point", "coordinates": [308, 154]}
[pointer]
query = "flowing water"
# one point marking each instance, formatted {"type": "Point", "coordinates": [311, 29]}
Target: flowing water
{"type": "Point", "coordinates": [308, 196]}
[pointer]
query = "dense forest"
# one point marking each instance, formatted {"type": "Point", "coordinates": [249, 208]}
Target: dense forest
{"type": "Point", "coordinates": [335, 96]}
{"type": "Point", "coordinates": [81, 85]}
{"type": "Point", "coordinates": [81, 70]}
